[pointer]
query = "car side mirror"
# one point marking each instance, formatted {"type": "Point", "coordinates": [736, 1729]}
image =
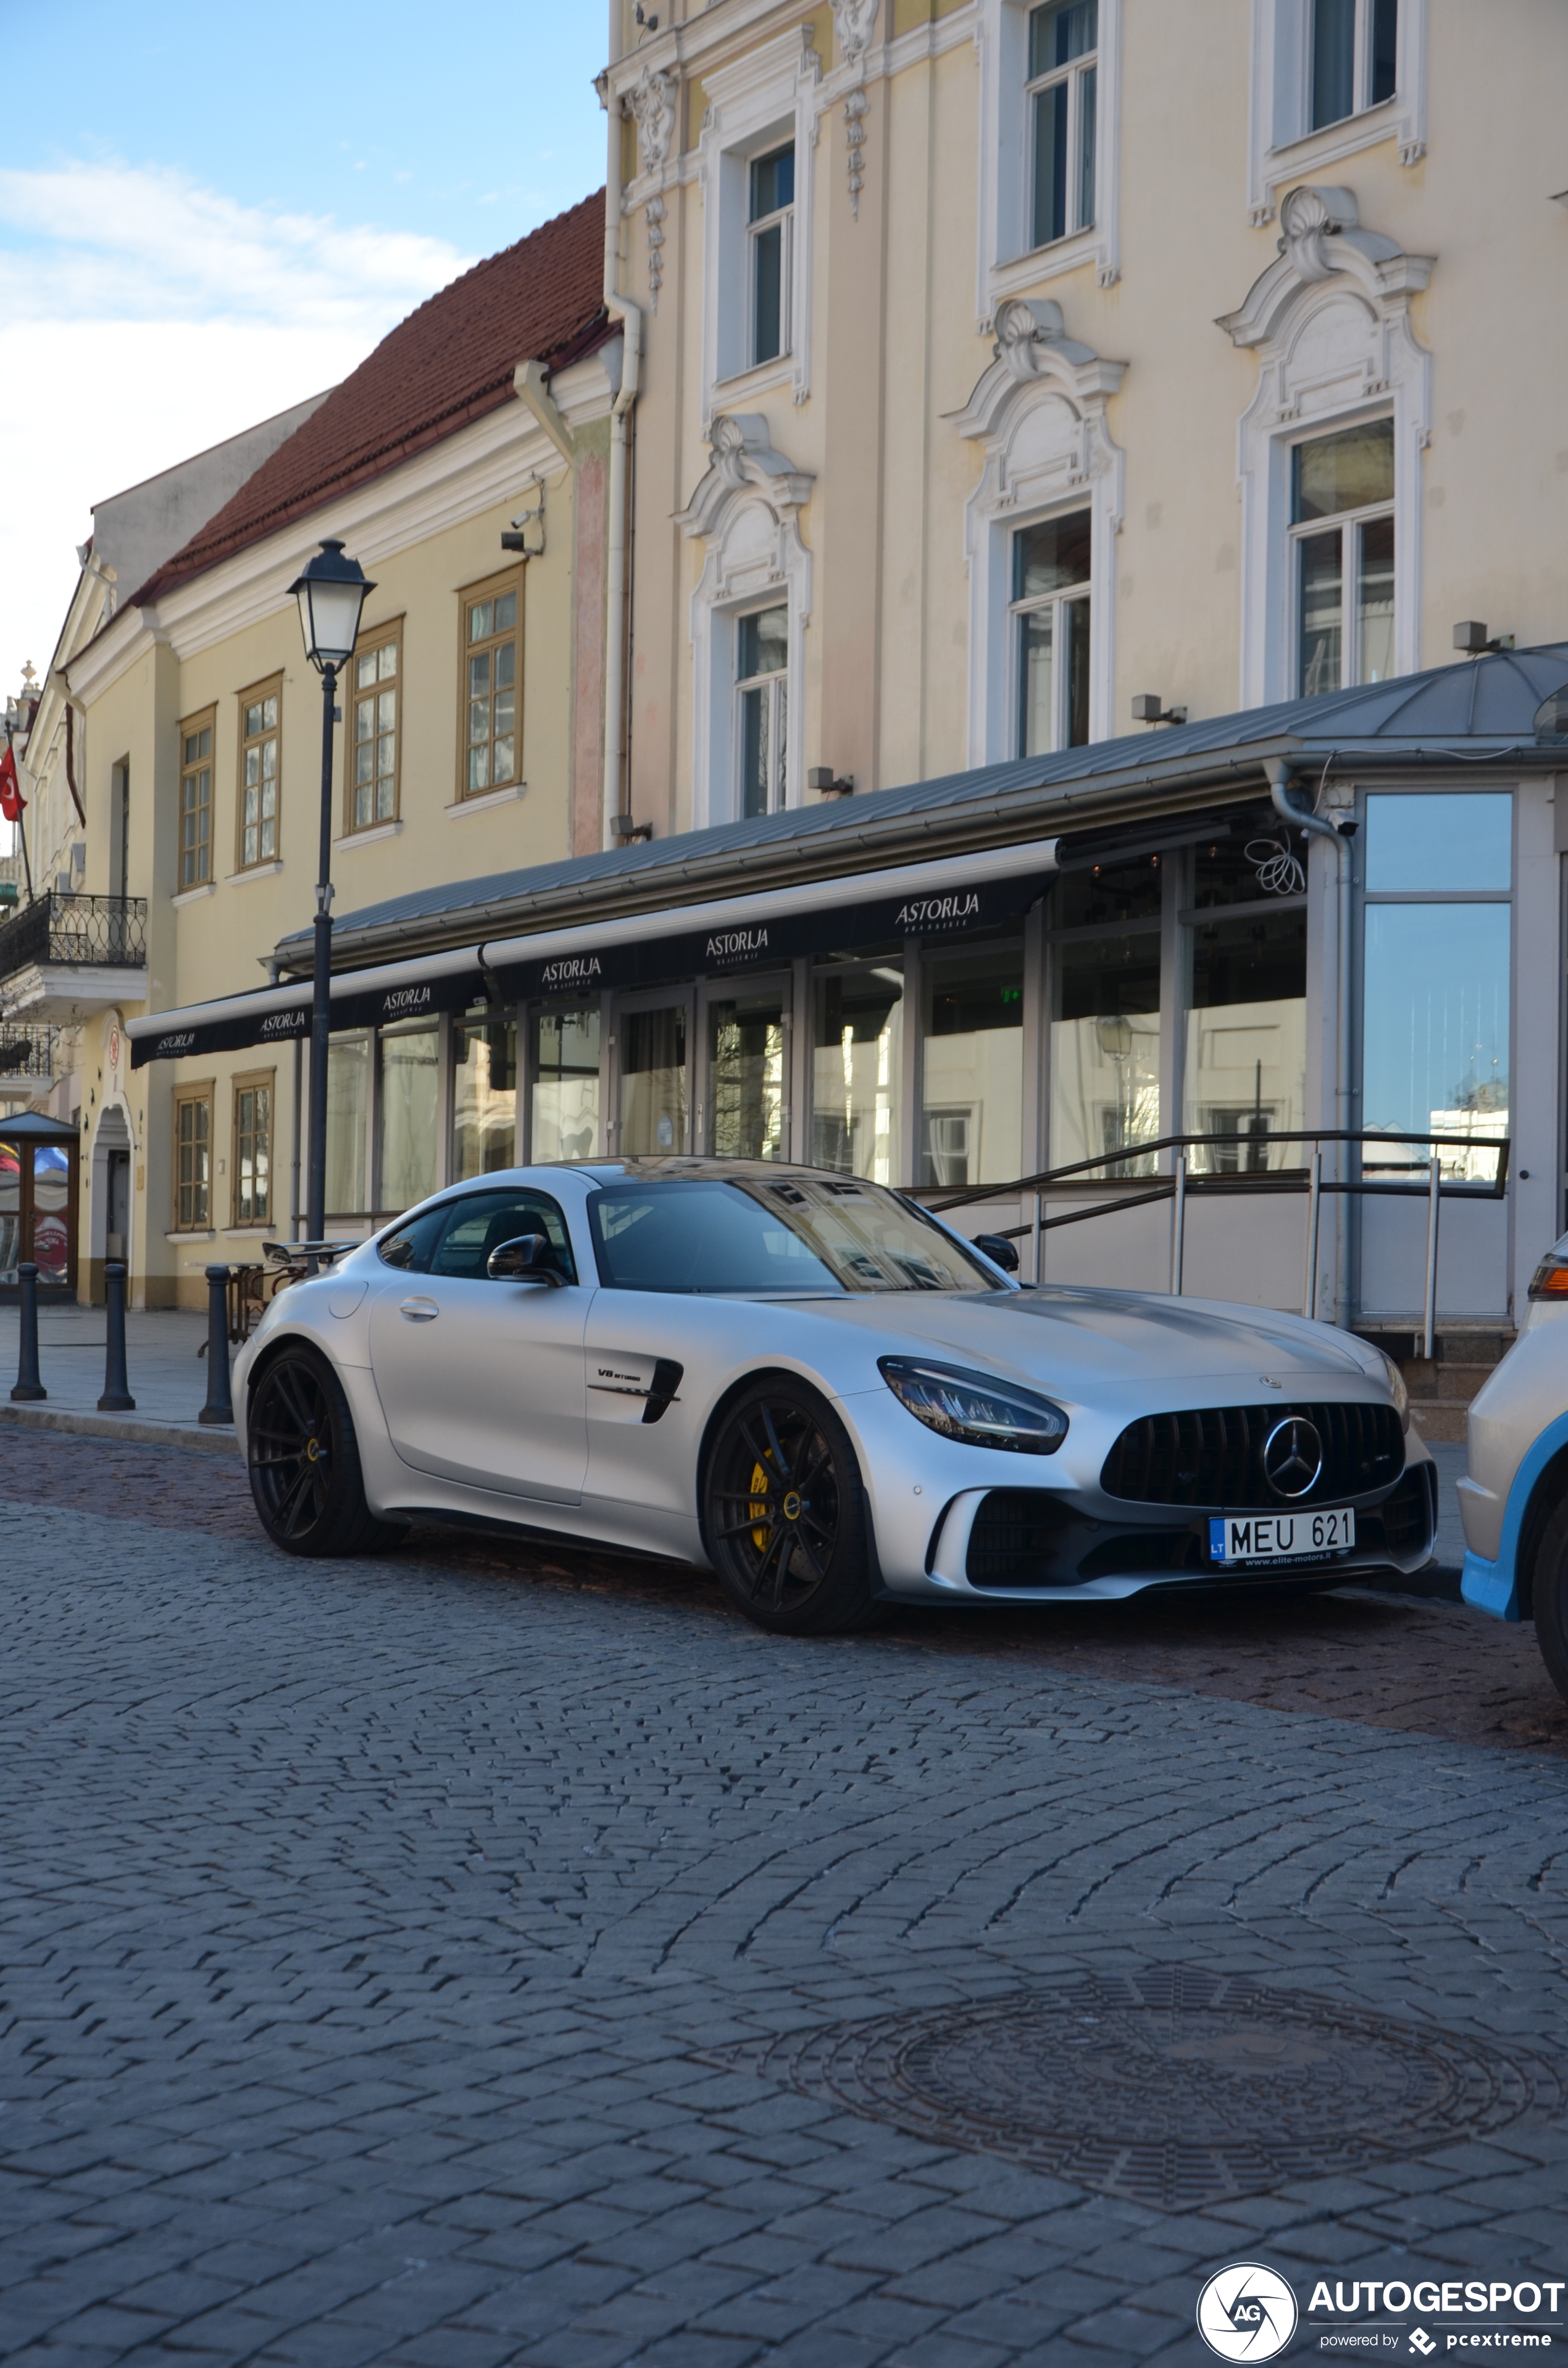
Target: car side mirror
{"type": "Point", "coordinates": [523, 1261]}
{"type": "Point", "coordinates": [999, 1251]}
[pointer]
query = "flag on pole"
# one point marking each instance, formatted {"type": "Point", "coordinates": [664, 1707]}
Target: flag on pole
{"type": "Point", "coordinates": [12, 802]}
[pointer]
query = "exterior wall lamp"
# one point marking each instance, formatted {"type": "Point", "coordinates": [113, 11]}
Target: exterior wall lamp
{"type": "Point", "coordinates": [332, 593]}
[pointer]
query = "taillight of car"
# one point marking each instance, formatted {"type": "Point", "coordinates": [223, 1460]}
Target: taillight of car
{"type": "Point", "coordinates": [1550, 1280]}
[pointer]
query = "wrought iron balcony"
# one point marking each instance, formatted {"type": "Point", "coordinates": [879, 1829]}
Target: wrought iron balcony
{"type": "Point", "coordinates": [27, 1049]}
{"type": "Point", "coordinates": [60, 931]}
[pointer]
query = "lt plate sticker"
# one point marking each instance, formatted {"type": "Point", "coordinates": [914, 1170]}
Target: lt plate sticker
{"type": "Point", "coordinates": [1278, 1537]}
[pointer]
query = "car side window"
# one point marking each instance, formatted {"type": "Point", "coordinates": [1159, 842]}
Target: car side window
{"type": "Point", "coordinates": [479, 1223]}
{"type": "Point", "coordinates": [409, 1247]}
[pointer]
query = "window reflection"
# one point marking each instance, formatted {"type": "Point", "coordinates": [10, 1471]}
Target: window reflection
{"type": "Point", "coordinates": [565, 1084]}
{"type": "Point", "coordinates": [972, 1114]}
{"type": "Point", "coordinates": [484, 1095]}
{"type": "Point", "coordinates": [652, 1082]}
{"type": "Point", "coordinates": [1435, 1055]}
{"type": "Point", "coordinates": [406, 1115]}
{"type": "Point", "coordinates": [348, 1118]}
{"type": "Point", "coordinates": [856, 1071]}
{"type": "Point", "coordinates": [745, 1077]}
{"type": "Point", "coordinates": [1105, 1049]}
{"type": "Point", "coordinates": [1247, 1039]}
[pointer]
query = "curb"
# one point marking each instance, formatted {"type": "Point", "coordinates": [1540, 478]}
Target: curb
{"type": "Point", "coordinates": [145, 1432]}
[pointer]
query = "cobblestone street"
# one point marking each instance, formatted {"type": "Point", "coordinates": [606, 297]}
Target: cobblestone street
{"type": "Point", "coordinates": [427, 1960]}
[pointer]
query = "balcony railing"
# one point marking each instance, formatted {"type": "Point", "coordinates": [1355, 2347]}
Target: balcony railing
{"type": "Point", "coordinates": [27, 1049]}
{"type": "Point", "coordinates": [58, 930]}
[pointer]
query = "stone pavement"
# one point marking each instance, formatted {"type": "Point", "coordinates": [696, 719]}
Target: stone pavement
{"type": "Point", "coordinates": [369, 1931]}
{"type": "Point", "coordinates": [168, 1378]}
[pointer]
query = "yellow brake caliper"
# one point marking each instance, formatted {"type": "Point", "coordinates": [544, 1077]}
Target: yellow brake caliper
{"type": "Point", "coordinates": [758, 1506]}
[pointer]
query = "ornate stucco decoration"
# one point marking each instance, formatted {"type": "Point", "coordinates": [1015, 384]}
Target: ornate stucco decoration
{"type": "Point", "coordinates": [1038, 413]}
{"type": "Point", "coordinates": [651, 99]}
{"type": "Point", "coordinates": [852, 22]}
{"type": "Point", "coordinates": [1321, 239]}
{"type": "Point", "coordinates": [743, 465]}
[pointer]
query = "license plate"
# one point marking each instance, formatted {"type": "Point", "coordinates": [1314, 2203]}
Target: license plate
{"type": "Point", "coordinates": [1279, 1537]}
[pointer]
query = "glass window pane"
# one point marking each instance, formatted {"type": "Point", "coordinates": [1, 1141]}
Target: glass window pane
{"type": "Point", "coordinates": [506, 664]}
{"type": "Point", "coordinates": [763, 643]}
{"type": "Point", "coordinates": [1457, 840]}
{"type": "Point", "coordinates": [1087, 127]}
{"type": "Point", "coordinates": [767, 301]}
{"type": "Point", "coordinates": [10, 1213]}
{"type": "Point", "coordinates": [347, 1098]}
{"type": "Point", "coordinates": [1347, 471]}
{"type": "Point", "coordinates": [1110, 891]}
{"type": "Point", "coordinates": [407, 1117]}
{"type": "Point", "coordinates": [364, 670]}
{"type": "Point", "coordinates": [652, 1082]}
{"type": "Point", "coordinates": [1049, 164]}
{"type": "Point", "coordinates": [1322, 563]}
{"type": "Point", "coordinates": [1333, 60]}
{"type": "Point", "coordinates": [1037, 695]}
{"type": "Point", "coordinates": [1246, 1041]}
{"type": "Point", "coordinates": [507, 613]}
{"type": "Point", "coordinates": [566, 1084]}
{"type": "Point", "coordinates": [772, 183]}
{"type": "Point", "coordinates": [269, 713]}
{"type": "Point", "coordinates": [856, 1071]}
{"type": "Point", "coordinates": [745, 1077]}
{"type": "Point", "coordinates": [973, 1061]}
{"type": "Point", "coordinates": [386, 660]}
{"type": "Point", "coordinates": [1105, 1049]}
{"type": "Point", "coordinates": [484, 1096]}
{"type": "Point", "coordinates": [1059, 33]}
{"type": "Point", "coordinates": [253, 720]}
{"type": "Point", "coordinates": [1436, 1042]}
{"type": "Point", "coordinates": [1051, 557]}
{"type": "Point", "coordinates": [1374, 605]}
{"type": "Point", "coordinates": [1385, 51]}
{"type": "Point", "coordinates": [754, 753]}
{"type": "Point", "coordinates": [480, 620]}
{"type": "Point", "coordinates": [1075, 625]}
{"type": "Point", "coordinates": [51, 1215]}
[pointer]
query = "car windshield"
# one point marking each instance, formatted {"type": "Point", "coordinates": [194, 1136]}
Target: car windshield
{"type": "Point", "coordinates": [793, 1237]}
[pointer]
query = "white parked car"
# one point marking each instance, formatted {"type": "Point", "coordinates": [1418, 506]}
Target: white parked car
{"type": "Point", "coordinates": [1514, 1500]}
{"type": "Point", "coordinates": [817, 1389]}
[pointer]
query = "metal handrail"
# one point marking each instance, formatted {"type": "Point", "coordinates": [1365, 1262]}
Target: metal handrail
{"type": "Point", "coordinates": [1183, 1183]}
{"type": "Point", "coordinates": [60, 928]}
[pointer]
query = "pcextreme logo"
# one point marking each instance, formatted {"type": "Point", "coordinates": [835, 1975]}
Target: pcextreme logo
{"type": "Point", "coordinates": [1247, 2312]}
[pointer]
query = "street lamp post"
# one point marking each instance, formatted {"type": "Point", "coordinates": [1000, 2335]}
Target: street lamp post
{"type": "Point", "coordinates": [330, 592]}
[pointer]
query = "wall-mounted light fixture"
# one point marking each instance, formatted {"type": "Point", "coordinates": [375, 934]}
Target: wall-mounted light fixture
{"type": "Point", "coordinates": [1473, 639]}
{"type": "Point", "coordinates": [1148, 707]}
{"type": "Point", "coordinates": [828, 784]}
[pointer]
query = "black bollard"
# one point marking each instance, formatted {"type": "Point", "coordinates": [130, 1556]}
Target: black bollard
{"type": "Point", "coordinates": [219, 1406]}
{"type": "Point", "coordinates": [117, 1397]}
{"type": "Point", "coordinates": [29, 1385]}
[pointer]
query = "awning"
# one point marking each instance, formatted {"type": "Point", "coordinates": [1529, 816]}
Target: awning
{"type": "Point", "coordinates": [931, 901]}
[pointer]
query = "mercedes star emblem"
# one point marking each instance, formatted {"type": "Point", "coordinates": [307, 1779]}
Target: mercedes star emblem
{"type": "Point", "coordinates": [1292, 1456]}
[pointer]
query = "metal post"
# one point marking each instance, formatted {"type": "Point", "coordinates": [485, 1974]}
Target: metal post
{"type": "Point", "coordinates": [1179, 1225]}
{"type": "Point", "coordinates": [320, 1017]}
{"type": "Point", "coordinates": [219, 1406]}
{"type": "Point", "coordinates": [1037, 1277]}
{"type": "Point", "coordinates": [1314, 1209]}
{"type": "Point", "coordinates": [1436, 1186]}
{"type": "Point", "coordinates": [29, 1385]}
{"type": "Point", "coordinates": [117, 1397]}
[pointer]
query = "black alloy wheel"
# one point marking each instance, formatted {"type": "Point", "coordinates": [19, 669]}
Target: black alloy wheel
{"type": "Point", "coordinates": [305, 1461]}
{"type": "Point", "coordinates": [784, 1514]}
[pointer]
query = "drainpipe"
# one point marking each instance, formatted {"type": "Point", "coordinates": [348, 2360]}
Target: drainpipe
{"type": "Point", "coordinates": [620, 308]}
{"type": "Point", "coordinates": [1306, 819]}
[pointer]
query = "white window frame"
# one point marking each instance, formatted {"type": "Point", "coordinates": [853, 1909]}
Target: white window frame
{"type": "Point", "coordinates": [782, 219]}
{"type": "Point", "coordinates": [1055, 601]}
{"type": "Point", "coordinates": [1007, 264]}
{"type": "Point", "coordinates": [1070, 74]}
{"type": "Point", "coordinates": [1281, 143]}
{"type": "Point", "coordinates": [1330, 323]}
{"type": "Point", "coordinates": [1347, 525]}
{"type": "Point", "coordinates": [1038, 414]}
{"type": "Point", "coordinates": [760, 101]}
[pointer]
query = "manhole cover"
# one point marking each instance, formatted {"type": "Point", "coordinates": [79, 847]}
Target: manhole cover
{"type": "Point", "coordinates": [1172, 2088]}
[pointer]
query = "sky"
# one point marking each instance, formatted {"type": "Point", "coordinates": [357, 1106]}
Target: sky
{"type": "Point", "coordinates": [210, 211]}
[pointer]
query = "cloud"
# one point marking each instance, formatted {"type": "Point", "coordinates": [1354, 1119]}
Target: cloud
{"type": "Point", "coordinates": [104, 238]}
{"type": "Point", "coordinates": [142, 318]}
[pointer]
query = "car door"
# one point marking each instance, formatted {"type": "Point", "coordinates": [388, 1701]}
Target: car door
{"type": "Point", "coordinates": [482, 1382]}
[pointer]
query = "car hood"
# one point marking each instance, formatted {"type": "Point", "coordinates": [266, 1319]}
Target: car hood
{"type": "Point", "coordinates": [1076, 1340]}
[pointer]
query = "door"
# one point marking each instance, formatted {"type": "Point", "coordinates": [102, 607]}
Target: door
{"type": "Point", "coordinates": [652, 1045]}
{"type": "Point", "coordinates": [743, 1109]}
{"type": "Point", "coordinates": [482, 1382]}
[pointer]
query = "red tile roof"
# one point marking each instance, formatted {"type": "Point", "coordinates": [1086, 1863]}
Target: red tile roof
{"type": "Point", "coordinates": [449, 362]}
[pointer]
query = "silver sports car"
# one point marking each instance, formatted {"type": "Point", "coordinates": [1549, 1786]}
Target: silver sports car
{"type": "Point", "coordinates": [815, 1388]}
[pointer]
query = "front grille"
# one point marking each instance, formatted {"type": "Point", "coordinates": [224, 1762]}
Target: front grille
{"type": "Point", "coordinates": [1017, 1540]}
{"type": "Point", "coordinates": [1213, 1456]}
{"type": "Point", "coordinates": [1409, 1515]}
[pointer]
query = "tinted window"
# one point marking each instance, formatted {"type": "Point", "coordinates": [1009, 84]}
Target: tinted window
{"type": "Point", "coordinates": [458, 1237]}
{"type": "Point", "coordinates": [793, 1237]}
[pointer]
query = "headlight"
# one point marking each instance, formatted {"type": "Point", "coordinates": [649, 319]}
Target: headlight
{"type": "Point", "coordinates": [974, 1408]}
{"type": "Point", "coordinates": [1396, 1385]}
